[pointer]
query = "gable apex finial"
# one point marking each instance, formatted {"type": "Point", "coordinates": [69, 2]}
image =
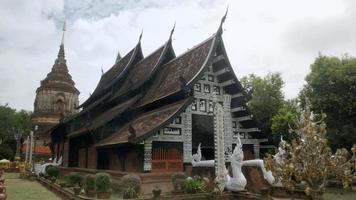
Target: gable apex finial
{"type": "Point", "coordinates": [172, 31]}
{"type": "Point", "coordinates": [139, 39]}
{"type": "Point", "coordinates": [220, 30]}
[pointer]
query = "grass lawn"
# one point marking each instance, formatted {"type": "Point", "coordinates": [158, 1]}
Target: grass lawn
{"type": "Point", "coordinates": [338, 194]}
{"type": "Point", "coordinates": [20, 189]}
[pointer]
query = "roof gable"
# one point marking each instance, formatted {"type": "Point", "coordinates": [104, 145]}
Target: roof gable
{"type": "Point", "coordinates": [179, 72]}
{"type": "Point", "coordinates": [114, 73]}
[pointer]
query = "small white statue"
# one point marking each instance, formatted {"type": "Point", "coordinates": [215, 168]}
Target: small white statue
{"type": "Point", "coordinates": [238, 180]}
{"type": "Point", "coordinates": [197, 162]}
{"type": "Point", "coordinates": [279, 158]}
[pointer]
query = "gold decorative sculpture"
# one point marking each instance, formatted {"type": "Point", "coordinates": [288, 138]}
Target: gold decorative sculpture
{"type": "Point", "coordinates": [308, 160]}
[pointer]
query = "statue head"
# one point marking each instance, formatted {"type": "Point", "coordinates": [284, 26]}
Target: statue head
{"type": "Point", "coordinates": [238, 154]}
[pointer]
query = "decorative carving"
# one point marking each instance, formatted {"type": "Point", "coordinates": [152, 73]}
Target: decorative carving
{"type": "Point", "coordinates": [147, 162]}
{"type": "Point", "coordinates": [220, 171]}
{"type": "Point", "coordinates": [238, 180]}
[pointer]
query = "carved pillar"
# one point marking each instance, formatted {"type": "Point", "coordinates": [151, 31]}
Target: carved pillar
{"type": "Point", "coordinates": [187, 135]}
{"type": "Point", "coordinates": [147, 160]}
{"type": "Point", "coordinates": [227, 126]}
{"type": "Point", "coordinates": [256, 150]}
{"type": "Point", "coordinates": [219, 145]}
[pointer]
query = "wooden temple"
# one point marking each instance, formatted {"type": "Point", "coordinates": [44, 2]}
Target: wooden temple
{"type": "Point", "coordinates": [149, 114]}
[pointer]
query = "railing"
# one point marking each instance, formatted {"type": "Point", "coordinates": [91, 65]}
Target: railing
{"type": "Point", "coordinates": [167, 165]}
{"type": "Point", "coordinates": [166, 160]}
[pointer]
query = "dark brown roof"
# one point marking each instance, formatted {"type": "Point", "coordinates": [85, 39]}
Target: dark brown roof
{"type": "Point", "coordinates": [185, 67]}
{"type": "Point", "coordinates": [108, 77]}
{"type": "Point", "coordinates": [146, 123]}
{"type": "Point", "coordinates": [105, 117]}
{"type": "Point", "coordinates": [139, 73]}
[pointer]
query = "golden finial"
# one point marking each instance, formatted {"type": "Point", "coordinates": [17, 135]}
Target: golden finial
{"type": "Point", "coordinates": [63, 29]}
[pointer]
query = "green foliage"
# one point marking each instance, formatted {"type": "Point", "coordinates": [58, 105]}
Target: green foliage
{"type": "Point", "coordinates": [283, 121]}
{"type": "Point", "coordinates": [265, 97]}
{"type": "Point", "coordinates": [132, 181]}
{"type": "Point", "coordinates": [12, 121]}
{"type": "Point", "coordinates": [194, 185]}
{"type": "Point", "coordinates": [74, 179]}
{"type": "Point", "coordinates": [6, 152]}
{"type": "Point", "coordinates": [102, 182]}
{"type": "Point", "coordinates": [129, 193]}
{"type": "Point", "coordinates": [331, 88]}
{"type": "Point", "coordinates": [52, 171]}
{"type": "Point", "coordinates": [89, 183]}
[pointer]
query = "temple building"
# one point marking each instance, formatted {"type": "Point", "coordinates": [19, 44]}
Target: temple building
{"type": "Point", "coordinates": [56, 98]}
{"type": "Point", "coordinates": [149, 114]}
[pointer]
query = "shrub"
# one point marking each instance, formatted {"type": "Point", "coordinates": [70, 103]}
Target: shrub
{"type": "Point", "coordinates": [178, 180]}
{"type": "Point", "coordinates": [102, 182]}
{"type": "Point", "coordinates": [74, 179]}
{"type": "Point", "coordinates": [89, 183]}
{"type": "Point", "coordinates": [52, 171]}
{"type": "Point", "coordinates": [194, 185]}
{"type": "Point", "coordinates": [133, 181]}
{"type": "Point", "coordinates": [129, 193]}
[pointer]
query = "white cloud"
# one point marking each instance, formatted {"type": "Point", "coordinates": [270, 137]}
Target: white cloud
{"type": "Point", "coordinates": [260, 36]}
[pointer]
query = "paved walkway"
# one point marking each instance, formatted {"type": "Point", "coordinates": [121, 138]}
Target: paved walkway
{"type": "Point", "coordinates": [20, 189]}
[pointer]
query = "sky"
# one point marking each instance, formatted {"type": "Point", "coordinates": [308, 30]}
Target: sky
{"type": "Point", "coordinates": [260, 36]}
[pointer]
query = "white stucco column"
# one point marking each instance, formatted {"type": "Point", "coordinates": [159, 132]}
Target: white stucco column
{"type": "Point", "coordinates": [227, 126]}
{"type": "Point", "coordinates": [187, 135]}
{"type": "Point", "coordinates": [219, 145]}
{"type": "Point", "coordinates": [147, 162]}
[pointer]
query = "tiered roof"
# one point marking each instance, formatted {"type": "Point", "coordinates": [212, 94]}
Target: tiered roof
{"type": "Point", "coordinates": [137, 96]}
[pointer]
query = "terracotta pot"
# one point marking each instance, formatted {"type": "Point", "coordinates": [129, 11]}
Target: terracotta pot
{"type": "Point", "coordinates": [103, 195]}
{"type": "Point", "coordinates": [90, 193]}
{"type": "Point", "coordinates": [2, 189]}
{"type": "Point", "coordinates": [76, 190]}
{"type": "Point", "coordinates": [3, 196]}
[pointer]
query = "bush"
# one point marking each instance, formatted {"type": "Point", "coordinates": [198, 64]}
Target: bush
{"type": "Point", "coordinates": [129, 193]}
{"type": "Point", "coordinates": [74, 179]}
{"type": "Point", "coordinates": [178, 180]}
{"type": "Point", "coordinates": [52, 171]}
{"type": "Point", "coordinates": [89, 183]}
{"type": "Point", "coordinates": [133, 181]}
{"type": "Point", "coordinates": [102, 182]}
{"type": "Point", "coordinates": [194, 185]}
{"type": "Point", "coordinates": [6, 152]}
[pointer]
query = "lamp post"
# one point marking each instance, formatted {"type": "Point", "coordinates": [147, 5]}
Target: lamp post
{"type": "Point", "coordinates": [34, 146]}
{"type": "Point", "coordinates": [17, 136]}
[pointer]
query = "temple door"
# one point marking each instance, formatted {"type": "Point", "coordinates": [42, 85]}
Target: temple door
{"type": "Point", "coordinates": [166, 159]}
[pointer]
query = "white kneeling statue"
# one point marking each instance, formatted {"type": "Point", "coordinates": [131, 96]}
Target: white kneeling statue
{"type": "Point", "coordinates": [238, 180]}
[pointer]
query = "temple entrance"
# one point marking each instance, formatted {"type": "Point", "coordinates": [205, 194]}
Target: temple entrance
{"type": "Point", "coordinates": [167, 157]}
{"type": "Point", "coordinates": [203, 132]}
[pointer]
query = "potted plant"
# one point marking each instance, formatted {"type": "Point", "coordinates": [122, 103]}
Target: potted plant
{"type": "Point", "coordinates": [129, 192]}
{"type": "Point", "coordinates": [132, 185]}
{"type": "Point", "coordinates": [194, 185]}
{"type": "Point", "coordinates": [75, 180]}
{"type": "Point", "coordinates": [52, 173]}
{"type": "Point", "coordinates": [178, 181]}
{"type": "Point", "coordinates": [103, 184]}
{"type": "Point", "coordinates": [89, 185]}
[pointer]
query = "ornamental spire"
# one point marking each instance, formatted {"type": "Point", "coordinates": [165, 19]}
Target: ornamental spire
{"type": "Point", "coordinates": [63, 30]}
{"type": "Point", "coordinates": [220, 30]}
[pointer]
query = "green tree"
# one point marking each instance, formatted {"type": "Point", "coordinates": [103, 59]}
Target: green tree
{"type": "Point", "coordinates": [331, 88]}
{"type": "Point", "coordinates": [12, 121]}
{"type": "Point", "coordinates": [284, 120]}
{"type": "Point", "coordinates": [265, 97]}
